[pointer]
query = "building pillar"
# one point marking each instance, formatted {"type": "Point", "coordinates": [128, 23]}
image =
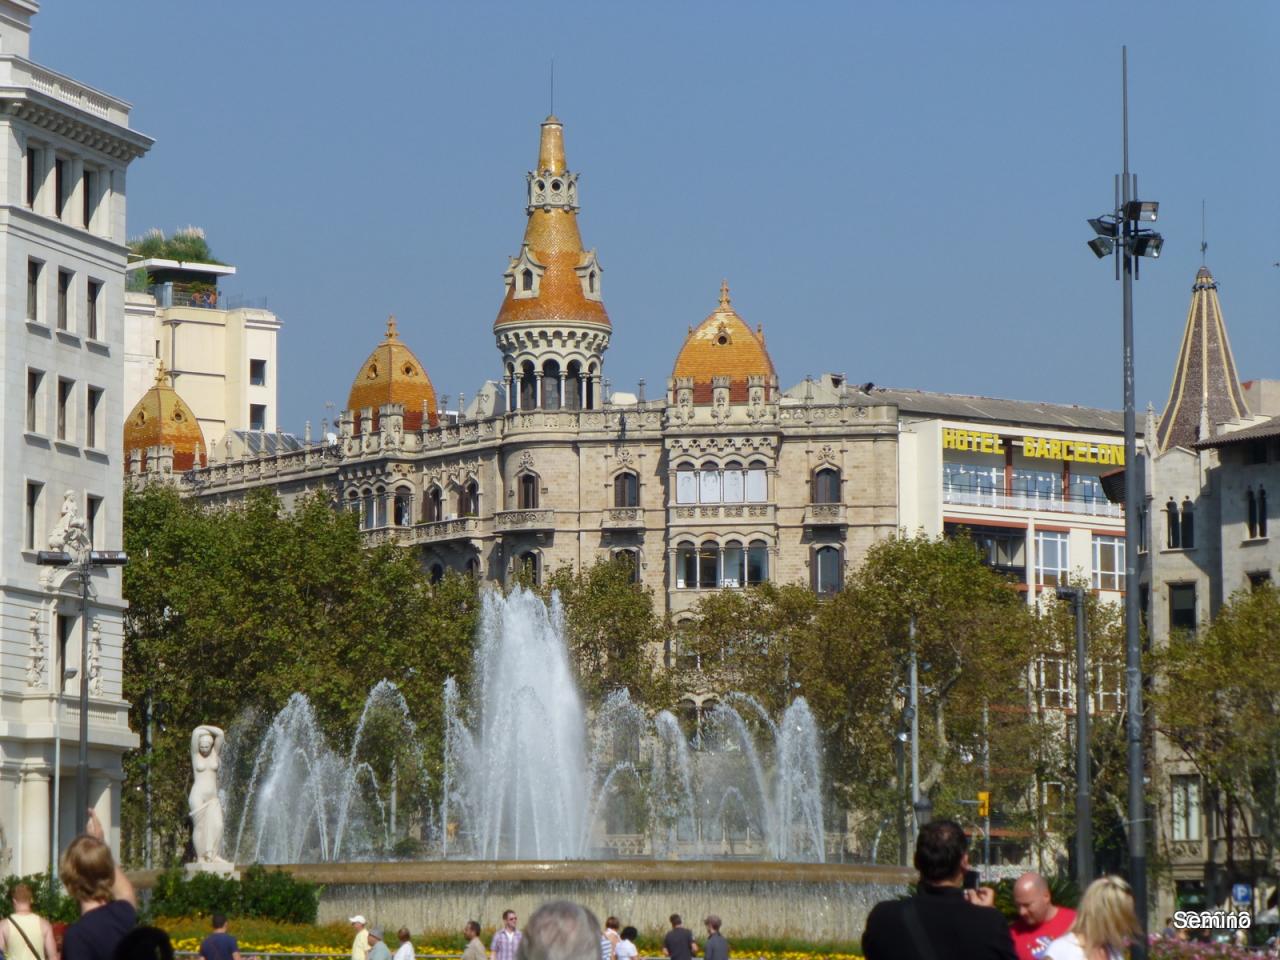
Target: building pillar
{"type": "Point", "coordinates": [35, 823]}
{"type": "Point", "coordinates": [74, 209]}
{"type": "Point", "coordinates": [537, 390]}
{"type": "Point", "coordinates": [100, 796]}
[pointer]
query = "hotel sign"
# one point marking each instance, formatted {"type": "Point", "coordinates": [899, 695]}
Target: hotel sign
{"type": "Point", "coordinates": [1034, 448]}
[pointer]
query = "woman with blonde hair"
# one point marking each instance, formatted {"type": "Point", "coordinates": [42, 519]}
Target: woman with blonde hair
{"type": "Point", "coordinates": [108, 904]}
{"type": "Point", "coordinates": [1104, 927]}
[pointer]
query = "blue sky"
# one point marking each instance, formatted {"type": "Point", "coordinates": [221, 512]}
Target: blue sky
{"type": "Point", "coordinates": [895, 190]}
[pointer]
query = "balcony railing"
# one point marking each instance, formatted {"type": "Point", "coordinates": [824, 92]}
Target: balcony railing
{"type": "Point", "coordinates": [825, 515]}
{"type": "Point", "coordinates": [440, 531]}
{"type": "Point", "coordinates": [513, 520]}
{"type": "Point", "coordinates": [1089, 506]}
{"type": "Point", "coordinates": [703, 512]}
{"type": "Point", "coordinates": [623, 518]}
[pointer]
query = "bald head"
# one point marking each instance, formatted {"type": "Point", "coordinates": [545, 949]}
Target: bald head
{"type": "Point", "coordinates": [1031, 896]}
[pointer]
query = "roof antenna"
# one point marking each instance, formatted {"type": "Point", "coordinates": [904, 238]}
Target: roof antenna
{"type": "Point", "coordinates": [553, 86]}
{"type": "Point", "coordinates": [1204, 241]}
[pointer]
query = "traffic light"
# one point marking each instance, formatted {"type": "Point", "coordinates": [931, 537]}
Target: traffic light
{"type": "Point", "coordinates": [984, 803]}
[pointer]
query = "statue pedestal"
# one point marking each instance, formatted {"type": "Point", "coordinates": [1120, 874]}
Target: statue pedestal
{"type": "Point", "coordinates": [223, 868]}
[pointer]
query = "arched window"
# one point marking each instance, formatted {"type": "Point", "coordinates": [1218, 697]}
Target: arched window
{"type": "Point", "coordinates": [353, 506]}
{"type": "Point", "coordinates": [512, 395]}
{"type": "Point", "coordinates": [403, 508]}
{"type": "Point", "coordinates": [757, 562]}
{"type": "Point", "coordinates": [551, 385]}
{"type": "Point", "coordinates": [1188, 525]}
{"type": "Point", "coordinates": [369, 517]}
{"type": "Point", "coordinates": [631, 559]}
{"type": "Point", "coordinates": [1175, 528]}
{"type": "Point", "coordinates": [573, 386]}
{"type": "Point", "coordinates": [826, 485]}
{"type": "Point", "coordinates": [591, 282]}
{"type": "Point", "coordinates": [528, 386]}
{"type": "Point", "coordinates": [732, 574]}
{"type": "Point", "coordinates": [469, 500]}
{"type": "Point", "coordinates": [591, 387]}
{"type": "Point", "coordinates": [473, 568]}
{"type": "Point", "coordinates": [526, 279]}
{"type": "Point", "coordinates": [433, 505]}
{"type": "Point", "coordinates": [528, 486]}
{"type": "Point", "coordinates": [757, 482]}
{"type": "Point", "coordinates": [708, 565]}
{"type": "Point", "coordinates": [827, 570]}
{"type": "Point", "coordinates": [733, 485]}
{"type": "Point", "coordinates": [686, 484]}
{"type": "Point", "coordinates": [626, 490]}
{"type": "Point", "coordinates": [437, 573]}
{"type": "Point", "coordinates": [530, 567]}
{"type": "Point", "coordinates": [380, 501]}
{"type": "Point", "coordinates": [1252, 505]}
{"type": "Point", "coordinates": [709, 484]}
{"type": "Point", "coordinates": [686, 566]}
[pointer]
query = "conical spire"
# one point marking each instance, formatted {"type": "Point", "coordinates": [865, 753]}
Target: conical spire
{"type": "Point", "coordinates": [1206, 388]}
{"type": "Point", "coordinates": [551, 147]}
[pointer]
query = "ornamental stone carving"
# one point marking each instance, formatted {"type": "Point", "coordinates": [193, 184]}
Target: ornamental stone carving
{"type": "Point", "coordinates": [35, 667]}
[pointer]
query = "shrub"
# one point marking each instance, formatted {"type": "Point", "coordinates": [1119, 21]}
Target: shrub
{"type": "Point", "coordinates": [270, 894]}
{"type": "Point", "coordinates": [48, 900]}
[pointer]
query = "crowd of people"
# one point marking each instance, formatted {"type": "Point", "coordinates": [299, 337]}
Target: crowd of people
{"type": "Point", "coordinates": [950, 917]}
{"type": "Point", "coordinates": [556, 931]}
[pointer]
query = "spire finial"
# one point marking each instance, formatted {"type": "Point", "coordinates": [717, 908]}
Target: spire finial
{"type": "Point", "coordinates": [552, 111]}
{"type": "Point", "coordinates": [724, 294]}
{"type": "Point", "coordinates": [162, 375]}
{"type": "Point", "coordinates": [391, 326]}
{"type": "Point", "coordinates": [1204, 236]}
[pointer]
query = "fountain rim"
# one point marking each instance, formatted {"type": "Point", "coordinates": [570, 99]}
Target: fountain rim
{"type": "Point", "coordinates": [637, 870]}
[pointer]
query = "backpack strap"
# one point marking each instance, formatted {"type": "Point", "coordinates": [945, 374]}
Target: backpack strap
{"type": "Point", "coordinates": [911, 918]}
{"type": "Point", "coordinates": [30, 946]}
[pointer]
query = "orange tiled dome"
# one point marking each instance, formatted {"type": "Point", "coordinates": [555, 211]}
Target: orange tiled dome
{"type": "Point", "coordinates": [724, 346]}
{"type": "Point", "coordinates": [162, 418]}
{"type": "Point", "coordinates": [392, 374]}
{"type": "Point", "coordinates": [552, 242]}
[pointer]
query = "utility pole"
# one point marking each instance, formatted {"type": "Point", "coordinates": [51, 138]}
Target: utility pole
{"type": "Point", "coordinates": [1084, 799]}
{"type": "Point", "coordinates": [922, 810]}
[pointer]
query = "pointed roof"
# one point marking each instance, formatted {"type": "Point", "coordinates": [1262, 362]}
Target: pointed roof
{"type": "Point", "coordinates": [552, 242]}
{"type": "Point", "coordinates": [1206, 388]}
{"type": "Point", "coordinates": [392, 374]}
{"type": "Point", "coordinates": [162, 418]}
{"type": "Point", "coordinates": [724, 346]}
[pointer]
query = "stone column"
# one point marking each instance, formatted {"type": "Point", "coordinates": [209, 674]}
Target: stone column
{"type": "Point", "coordinates": [73, 212]}
{"type": "Point", "coordinates": [35, 823]}
{"type": "Point", "coordinates": [561, 401]}
{"type": "Point", "coordinates": [100, 798]}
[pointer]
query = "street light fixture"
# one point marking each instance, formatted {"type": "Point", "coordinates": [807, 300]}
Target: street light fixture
{"type": "Point", "coordinates": [1131, 244]}
{"type": "Point", "coordinates": [84, 561]}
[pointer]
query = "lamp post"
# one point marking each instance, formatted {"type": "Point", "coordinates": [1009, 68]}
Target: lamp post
{"type": "Point", "coordinates": [1084, 800]}
{"type": "Point", "coordinates": [67, 674]}
{"type": "Point", "coordinates": [1119, 233]}
{"type": "Point", "coordinates": [84, 560]}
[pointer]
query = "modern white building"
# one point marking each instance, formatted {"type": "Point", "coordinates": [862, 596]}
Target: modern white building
{"type": "Point", "coordinates": [64, 150]}
{"type": "Point", "coordinates": [221, 357]}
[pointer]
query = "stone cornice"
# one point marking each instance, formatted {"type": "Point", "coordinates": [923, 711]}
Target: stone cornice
{"type": "Point", "coordinates": [60, 119]}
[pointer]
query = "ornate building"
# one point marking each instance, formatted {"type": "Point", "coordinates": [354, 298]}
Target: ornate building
{"type": "Point", "coordinates": [540, 468]}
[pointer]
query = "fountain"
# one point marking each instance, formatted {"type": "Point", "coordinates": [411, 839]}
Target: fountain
{"type": "Point", "coordinates": [538, 797]}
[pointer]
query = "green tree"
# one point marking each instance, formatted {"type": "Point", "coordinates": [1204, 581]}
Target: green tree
{"type": "Point", "coordinates": [612, 632]}
{"type": "Point", "coordinates": [232, 609]}
{"type": "Point", "coordinates": [1218, 704]}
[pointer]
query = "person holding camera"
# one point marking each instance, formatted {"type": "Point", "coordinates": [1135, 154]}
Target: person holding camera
{"type": "Point", "coordinates": [947, 918]}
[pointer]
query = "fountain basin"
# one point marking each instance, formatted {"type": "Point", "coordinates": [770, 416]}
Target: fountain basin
{"type": "Point", "coordinates": [816, 902]}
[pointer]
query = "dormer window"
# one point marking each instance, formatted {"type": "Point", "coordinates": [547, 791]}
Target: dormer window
{"type": "Point", "coordinates": [526, 279]}
{"type": "Point", "coordinates": [589, 271]}
{"type": "Point", "coordinates": [524, 275]}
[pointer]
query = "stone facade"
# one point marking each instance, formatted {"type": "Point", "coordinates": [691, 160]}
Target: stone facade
{"type": "Point", "coordinates": [64, 150]}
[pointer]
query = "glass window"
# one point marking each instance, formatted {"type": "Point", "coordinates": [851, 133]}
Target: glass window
{"type": "Point", "coordinates": [626, 490]}
{"type": "Point", "coordinates": [93, 518]}
{"type": "Point", "coordinates": [34, 379]}
{"type": "Point", "coordinates": [1053, 682]}
{"type": "Point", "coordinates": [827, 570]}
{"type": "Point", "coordinates": [528, 492]}
{"type": "Point", "coordinates": [1174, 525]}
{"type": "Point", "coordinates": [64, 297]}
{"type": "Point", "coordinates": [1037, 485]}
{"type": "Point", "coordinates": [380, 503]}
{"type": "Point", "coordinates": [1188, 525]}
{"type": "Point", "coordinates": [1052, 563]}
{"type": "Point", "coordinates": [530, 568]}
{"type": "Point", "coordinates": [826, 486]}
{"type": "Point", "coordinates": [258, 373]}
{"type": "Point", "coordinates": [403, 509]}
{"type": "Point", "coordinates": [1182, 606]}
{"type": "Point", "coordinates": [970, 482]}
{"type": "Point", "coordinates": [1185, 807]}
{"type": "Point", "coordinates": [257, 416]}
{"type": "Point", "coordinates": [33, 291]}
{"type": "Point", "coordinates": [93, 401]}
{"type": "Point", "coordinates": [686, 566]}
{"type": "Point", "coordinates": [631, 559]}
{"type": "Point", "coordinates": [1108, 686]}
{"type": "Point", "coordinates": [757, 483]}
{"type": "Point", "coordinates": [1086, 488]}
{"type": "Point", "coordinates": [709, 486]}
{"type": "Point", "coordinates": [686, 485]}
{"type": "Point", "coordinates": [433, 509]}
{"type": "Point", "coordinates": [733, 564]}
{"type": "Point", "coordinates": [1108, 563]}
{"type": "Point", "coordinates": [733, 488]}
{"type": "Point", "coordinates": [708, 565]}
{"type": "Point", "coordinates": [92, 291]}
{"type": "Point", "coordinates": [66, 429]}
{"type": "Point", "coordinates": [369, 520]}
{"type": "Point", "coordinates": [1251, 502]}
{"type": "Point", "coordinates": [33, 515]}
{"type": "Point", "coordinates": [757, 562]}
{"type": "Point", "coordinates": [469, 500]}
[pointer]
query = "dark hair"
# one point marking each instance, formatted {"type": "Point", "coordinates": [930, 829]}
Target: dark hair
{"type": "Point", "coordinates": [474, 926]}
{"type": "Point", "coordinates": [939, 849]}
{"type": "Point", "coordinates": [144, 943]}
{"type": "Point", "coordinates": [630, 933]}
{"type": "Point", "coordinates": [507, 912]}
{"type": "Point", "coordinates": [675, 920]}
{"type": "Point", "coordinates": [218, 920]}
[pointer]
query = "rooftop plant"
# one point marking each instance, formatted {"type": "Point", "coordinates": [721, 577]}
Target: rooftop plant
{"type": "Point", "coordinates": [187, 244]}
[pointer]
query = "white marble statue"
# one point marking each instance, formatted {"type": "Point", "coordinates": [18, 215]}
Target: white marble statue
{"type": "Point", "coordinates": [71, 533]}
{"type": "Point", "coordinates": [206, 808]}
